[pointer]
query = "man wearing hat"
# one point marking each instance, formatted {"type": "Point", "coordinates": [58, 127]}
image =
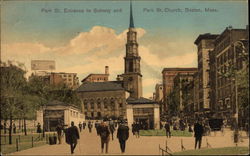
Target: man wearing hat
{"type": "Point", "coordinates": [198, 132]}
{"type": "Point", "coordinates": [122, 135]}
{"type": "Point", "coordinates": [104, 133]}
{"type": "Point", "coordinates": [72, 134]}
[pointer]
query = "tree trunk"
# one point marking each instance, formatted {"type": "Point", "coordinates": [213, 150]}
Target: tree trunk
{"type": "Point", "coordinates": [20, 124]}
{"type": "Point", "coordinates": [10, 130]}
{"type": "Point", "coordinates": [25, 130]}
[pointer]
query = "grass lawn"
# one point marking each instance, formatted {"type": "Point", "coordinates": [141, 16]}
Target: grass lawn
{"type": "Point", "coordinates": [22, 146]}
{"type": "Point", "coordinates": [162, 132]}
{"type": "Point", "coordinates": [216, 151]}
{"type": "Point", "coordinates": [24, 142]}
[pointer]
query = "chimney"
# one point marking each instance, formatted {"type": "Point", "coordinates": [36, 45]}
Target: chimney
{"type": "Point", "coordinates": [106, 69]}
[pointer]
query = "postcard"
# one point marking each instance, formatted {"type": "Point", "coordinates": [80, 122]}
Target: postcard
{"type": "Point", "coordinates": [124, 77]}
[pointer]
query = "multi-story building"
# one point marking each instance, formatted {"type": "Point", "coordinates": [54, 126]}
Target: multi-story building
{"type": "Point", "coordinates": [183, 88]}
{"type": "Point", "coordinates": [69, 79]}
{"type": "Point", "coordinates": [228, 57]}
{"type": "Point", "coordinates": [97, 77]}
{"type": "Point", "coordinates": [205, 43]}
{"type": "Point", "coordinates": [168, 75]}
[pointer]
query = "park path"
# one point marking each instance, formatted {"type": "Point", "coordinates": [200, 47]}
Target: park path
{"type": "Point", "coordinates": [89, 144]}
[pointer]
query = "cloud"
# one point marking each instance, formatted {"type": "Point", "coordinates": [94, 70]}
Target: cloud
{"type": "Point", "coordinates": [21, 49]}
{"type": "Point", "coordinates": [173, 61]}
{"type": "Point", "coordinates": [99, 41]}
{"type": "Point", "coordinates": [89, 52]}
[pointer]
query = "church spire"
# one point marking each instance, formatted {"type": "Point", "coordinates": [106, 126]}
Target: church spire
{"type": "Point", "coordinates": [131, 23]}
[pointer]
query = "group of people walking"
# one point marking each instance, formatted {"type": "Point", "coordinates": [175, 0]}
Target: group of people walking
{"type": "Point", "coordinates": [198, 131]}
{"type": "Point", "coordinates": [104, 130]}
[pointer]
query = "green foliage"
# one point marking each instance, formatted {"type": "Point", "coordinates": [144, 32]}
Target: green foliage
{"type": "Point", "coordinates": [173, 102]}
{"type": "Point", "coordinates": [12, 84]}
{"type": "Point", "coordinates": [162, 132]}
{"type": "Point", "coordinates": [216, 151]}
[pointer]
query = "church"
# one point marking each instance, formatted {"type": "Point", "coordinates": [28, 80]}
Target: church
{"type": "Point", "coordinates": [121, 99]}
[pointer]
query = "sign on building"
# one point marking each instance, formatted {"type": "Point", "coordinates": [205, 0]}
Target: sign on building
{"type": "Point", "coordinates": [43, 65]}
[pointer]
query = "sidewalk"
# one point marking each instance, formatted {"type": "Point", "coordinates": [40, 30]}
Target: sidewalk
{"type": "Point", "coordinates": [89, 144]}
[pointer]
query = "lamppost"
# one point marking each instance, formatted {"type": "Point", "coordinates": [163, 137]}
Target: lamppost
{"type": "Point", "coordinates": [235, 79]}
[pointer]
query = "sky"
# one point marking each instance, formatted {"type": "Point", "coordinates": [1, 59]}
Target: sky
{"type": "Point", "coordinates": [86, 41]}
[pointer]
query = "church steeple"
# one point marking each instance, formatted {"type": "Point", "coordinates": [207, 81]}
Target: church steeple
{"type": "Point", "coordinates": [132, 73]}
{"type": "Point", "coordinates": [131, 23]}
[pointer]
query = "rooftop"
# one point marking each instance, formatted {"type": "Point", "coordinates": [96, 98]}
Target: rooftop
{"type": "Point", "coordinates": [205, 36]}
{"type": "Point", "coordinates": [100, 86]}
{"type": "Point", "coordinates": [179, 69]}
{"type": "Point", "coordinates": [141, 100]}
{"type": "Point", "coordinates": [93, 75]}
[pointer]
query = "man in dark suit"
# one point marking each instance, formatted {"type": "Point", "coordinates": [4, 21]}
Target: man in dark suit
{"type": "Point", "coordinates": [72, 134]}
{"type": "Point", "coordinates": [104, 132]}
{"type": "Point", "coordinates": [122, 135]}
{"type": "Point", "coordinates": [167, 128]}
{"type": "Point", "coordinates": [198, 132]}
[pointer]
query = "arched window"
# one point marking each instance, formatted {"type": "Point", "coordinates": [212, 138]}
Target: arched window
{"type": "Point", "coordinates": [92, 103]}
{"type": "Point", "coordinates": [99, 103]}
{"type": "Point", "coordinates": [112, 103]}
{"type": "Point", "coordinates": [85, 104]}
{"type": "Point", "coordinates": [105, 102]}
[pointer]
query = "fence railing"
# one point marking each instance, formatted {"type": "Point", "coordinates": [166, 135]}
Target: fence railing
{"type": "Point", "coordinates": [21, 142]}
{"type": "Point", "coordinates": [165, 151]}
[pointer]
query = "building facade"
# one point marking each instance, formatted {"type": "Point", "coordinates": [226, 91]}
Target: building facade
{"type": "Point", "coordinates": [168, 75]}
{"type": "Point", "coordinates": [184, 90]}
{"type": "Point", "coordinates": [205, 43]}
{"type": "Point", "coordinates": [97, 77]}
{"type": "Point", "coordinates": [69, 79]}
{"type": "Point", "coordinates": [227, 56]}
{"type": "Point", "coordinates": [103, 99]}
{"type": "Point", "coordinates": [57, 112]}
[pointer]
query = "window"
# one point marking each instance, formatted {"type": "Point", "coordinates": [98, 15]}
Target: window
{"type": "Point", "coordinates": [92, 104]}
{"type": "Point", "coordinates": [131, 66]}
{"type": "Point", "coordinates": [99, 103]}
{"type": "Point", "coordinates": [85, 104]}
{"type": "Point", "coordinates": [105, 102]}
{"type": "Point", "coordinates": [120, 104]}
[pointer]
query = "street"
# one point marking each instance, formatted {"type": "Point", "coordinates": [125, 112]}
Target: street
{"type": "Point", "coordinates": [89, 144]}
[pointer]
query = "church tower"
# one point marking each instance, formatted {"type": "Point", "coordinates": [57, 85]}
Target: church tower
{"type": "Point", "coordinates": [132, 75]}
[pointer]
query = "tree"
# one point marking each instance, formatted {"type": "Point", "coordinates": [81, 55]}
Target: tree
{"type": "Point", "coordinates": [12, 83]}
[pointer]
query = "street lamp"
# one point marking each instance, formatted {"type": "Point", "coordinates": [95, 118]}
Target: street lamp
{"type": "Point", "coordinates": [236, 133]}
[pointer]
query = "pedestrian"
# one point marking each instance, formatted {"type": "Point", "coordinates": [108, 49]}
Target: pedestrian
{"type": "Point", "coordinates": [90, 126]}
{"type": "Point", "coordinates": [104, 135]}
{"type": "Point", "coordinates": [14, 128]}
{"type": "Point", "coordinates": [97, 124]}
{"type": "Point", "coordinates": [83, 125]}
{"type": "Point", "coordinates": [133, 128]}
{"type": "Point", "coordinates": [59, 129]}
{"type": "Point", "coordinates": [39, 129]}
{"type": "Point", "coordinates": [167, 128]}
{"type": "Point", "coordinates": [190, 128]}
{"type": "Point", "coordinates": [137, 130]}
{"type": "Point", "coordinates": [112, 129]}
{"type": "Point", "coordinates": [80, 126]}
{"type": "Point", "coordinates": [72, 135]}
{"type": "Point", "coordinates": [198, 132]}
{"type": "Point", "coordinates": [123, 135]}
